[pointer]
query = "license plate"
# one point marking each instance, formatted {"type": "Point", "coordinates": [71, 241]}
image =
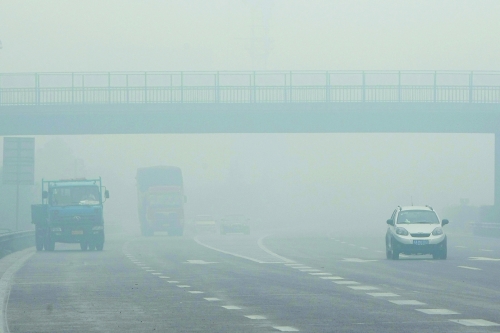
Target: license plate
{"type": "Point", "coordinates": [77, 232]}
{"type": "Point", "coordinates": [420, 242]}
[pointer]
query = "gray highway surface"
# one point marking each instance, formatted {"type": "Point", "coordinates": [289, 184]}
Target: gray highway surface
{"type": "Point", "coordinates": [257, 283]}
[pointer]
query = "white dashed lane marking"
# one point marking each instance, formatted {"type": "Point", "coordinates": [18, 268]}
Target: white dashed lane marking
{"type": "Point", "coordinates": [485, 250]}
{"type": "Point", "coordinates": [319, 274]}
{"type": "Point", "coordinates": [383, 294]}
{"type": "Point", "coordinates": [472, 268]}
{"type": "Point", "coordinates": [173, 281]}
{"type": "Point", "coordinates": [164, 277]}
{"type": "Point", "coordinates": [407, 302]}
{"type": "Point", "coordinates": [484, 259]}
{"type": "Point", "coordinates": [196, 292]}
{"type": "Point", "coordinates": [331, 278]}
{"type": "Point", "coordinates": [231, 307]}
{"type": "Point", "coordinates": [183, 286]}
{"type": "Point", "coordinates": [310, 270]}
{"type": "Point", "coordinates": [156, 273]}
{"type": "Point", "coordinates": [300, 267]}
{"type": "Point", "coordinates": [345, 282]}
{"type": "Point", "coordinates": [363, 288]}
{"type": "Point", "coordinates": [437, 311]}
{"type": "Point", "coordinates": [474, 322]}
{"type": "Point", "coordinates": [256, 317]}
{"type": "Point", "coordinates": [212, 299]}
{"type": "Point", "coordinates": [285, 328]}
{"type": "Point", "coordinates": [358, 260]}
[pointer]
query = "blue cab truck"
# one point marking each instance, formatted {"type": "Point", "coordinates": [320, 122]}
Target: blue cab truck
{"type": "Point", "coordinates": [71, 212]}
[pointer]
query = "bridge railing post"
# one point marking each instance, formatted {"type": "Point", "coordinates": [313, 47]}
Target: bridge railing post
{"type": "Point", "coordinates": [217, 91]}
{"type": "Point", "coordinates": [72, 88]}
{"type": "Point", "coordinates": [327, 87]}
{"type": "Point", "coordinates": [471, 87]}
{"type": "Point", "coordinates": [37, 89]}
{"type": "Point", "coordinates": [126, 82]}
{"type": "Point", "coordinates": [363, 77]}
{"type": "Point", "coordinates": [254, 92]}
{"type": "Point", "coordinates": [145, 87]}
{"type": "Point", "coordinates": [291, 88]}
{"type": "Point", "coordinates": [182, 87]}
{"type": "Point", "coordinates": [435, 86]}
{"type": "Point", "coordinates": [109, 88]}
{"type": "Point", "coordinates": [399, 86]}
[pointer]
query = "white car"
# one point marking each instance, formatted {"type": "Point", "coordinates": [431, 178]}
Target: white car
{"type": "Point", "coordinates": [415, 230]}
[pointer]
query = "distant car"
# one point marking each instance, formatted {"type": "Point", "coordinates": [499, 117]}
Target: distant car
{"type": "Point", "coordinates": [203, 224]}
{"type": "Point", "coordinates": [235, 224]}
{"type": "Point", "coordinates": [415, 230]}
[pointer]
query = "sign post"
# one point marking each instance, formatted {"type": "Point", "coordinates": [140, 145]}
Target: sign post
{"type": "Point", "coordinates": [18, 165]}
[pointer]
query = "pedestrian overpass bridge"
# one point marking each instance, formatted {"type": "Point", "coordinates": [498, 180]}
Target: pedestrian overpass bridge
{"type": "Point", "coordinates": [253, 102]}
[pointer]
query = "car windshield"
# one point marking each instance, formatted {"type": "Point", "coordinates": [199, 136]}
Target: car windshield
{"type": "Point", "coordinates": [417, 216]}
{"type": "Point", "coordinates": [74, 195]}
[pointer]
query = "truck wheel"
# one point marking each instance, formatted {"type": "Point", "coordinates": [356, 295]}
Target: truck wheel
{"type": "Point", "coordinates": [49, 245]}
{"type": "Point", "coordinates": [84, 245]}
{"type": "Point", "coordinates": [39, 244]}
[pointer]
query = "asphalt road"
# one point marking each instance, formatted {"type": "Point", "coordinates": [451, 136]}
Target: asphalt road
{"type": "Point", "coordinates": [258, 283]}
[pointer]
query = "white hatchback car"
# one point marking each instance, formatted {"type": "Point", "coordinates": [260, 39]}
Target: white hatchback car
{"type": "Point", "coordinates": [415, 230]}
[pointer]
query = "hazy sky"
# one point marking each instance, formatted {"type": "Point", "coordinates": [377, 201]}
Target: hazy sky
{"type": "Point", "coordinates": [325, 176]}
{"type": "Point", "coordinates": [139, 35]}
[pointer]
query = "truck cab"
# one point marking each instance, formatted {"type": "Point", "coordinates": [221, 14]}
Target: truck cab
{"type": "Point", "coordinates": [71, 212]}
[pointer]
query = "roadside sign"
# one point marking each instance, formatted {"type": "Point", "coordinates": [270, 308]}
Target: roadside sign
{"type": "Point", "coordinates": [18, 161]}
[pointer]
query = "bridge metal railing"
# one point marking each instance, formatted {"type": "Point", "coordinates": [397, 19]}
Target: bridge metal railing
{"type": "Point", "coordinates": [250, 87]}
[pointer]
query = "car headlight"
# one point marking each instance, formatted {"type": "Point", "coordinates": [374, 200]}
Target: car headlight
{"type": "Point", "coordinates": [98, 227]}
{"type": "Point", "coordinates": [401, 231]}
{"type": "Point", "coordinates": [438, 231]}
{"type": "Point", "coordinates": [56, 229]}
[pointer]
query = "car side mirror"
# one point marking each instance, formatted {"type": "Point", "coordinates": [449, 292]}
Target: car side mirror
{"type": "Point", "coordinates": [445, 222]}
{"type": "Point", "coordinates": [106, 194]}
{"type": "Point", "coordinates": [390, 222]}
{"type": "Point", "coordinates": [45, 194]}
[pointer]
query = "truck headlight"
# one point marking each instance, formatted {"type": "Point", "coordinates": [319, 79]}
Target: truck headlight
{"type": "Point", "coordinates": [438, 231]}
{"type": "Point", "coordinates": [56, 229]}
{"type": "Point", "coordinates": [401, 231]}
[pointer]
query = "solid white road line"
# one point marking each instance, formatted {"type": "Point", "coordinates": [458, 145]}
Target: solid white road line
{"type": "Point", "coordinates": [472, 268]}
{"type": "Point", "coordinates": [474, 322]}
{"type": "Point", "coordinates": [231, 253]}
{"type": "Point", "coordinates": [437, 311]}
{"type": "Point", "coordinates": [6, 280]}
{"type": "Point", "coordinates": [263, 247]}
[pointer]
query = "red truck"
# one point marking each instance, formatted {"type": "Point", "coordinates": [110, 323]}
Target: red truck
{"type": "Point", "coordinates": [161, 199]}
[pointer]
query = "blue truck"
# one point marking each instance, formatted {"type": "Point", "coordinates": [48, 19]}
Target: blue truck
{"type": "Point", "coordinates": [71, 212]}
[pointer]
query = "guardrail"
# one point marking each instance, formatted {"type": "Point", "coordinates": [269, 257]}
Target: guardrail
{"type": "Point", "coordinates": [249, 87]}
{"type": "Point", "coordinates": [486, 229]}
{"type": "Point", "coordinates": [15, 241]}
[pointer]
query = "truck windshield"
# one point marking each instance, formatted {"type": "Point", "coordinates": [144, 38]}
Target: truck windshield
{"type": "Point", "coordinates": [417, 216]}
{"type": "Point", "coordinates": [75, 195]}
{"type": "Point", "coordinates": [165, 199]}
